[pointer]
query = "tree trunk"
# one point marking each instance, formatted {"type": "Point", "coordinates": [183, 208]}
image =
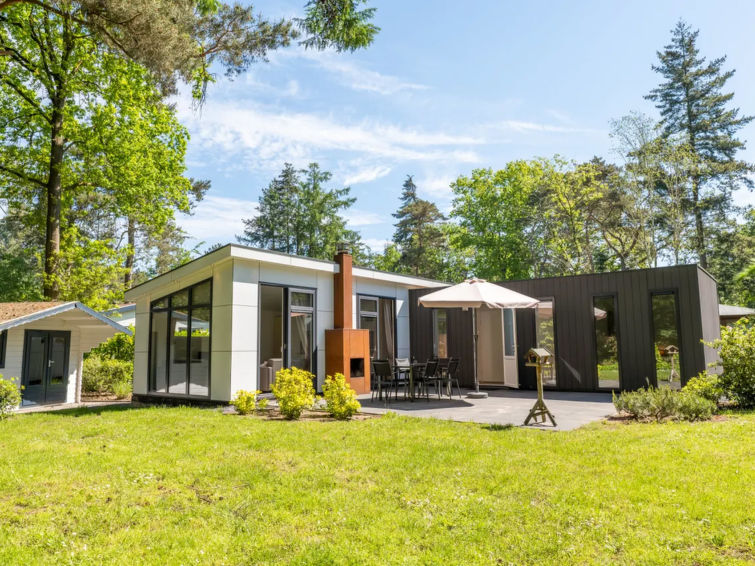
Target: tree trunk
{"type": "Point", "coordinates": [130, 255]}
{"type": "Point", "coordinates": [54, 197]}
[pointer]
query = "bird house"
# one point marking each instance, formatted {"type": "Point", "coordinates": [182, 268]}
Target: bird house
{"type": "Point", "coordinates": [668, 350]}
{"type": "Point", "coordinates": [538, 357]}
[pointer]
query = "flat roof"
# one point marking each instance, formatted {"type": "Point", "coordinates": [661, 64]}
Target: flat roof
{"type": "Point", "coordinates": [241, 251]}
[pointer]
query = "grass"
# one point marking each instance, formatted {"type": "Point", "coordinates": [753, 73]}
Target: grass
{"type": "Point", "coordinates": [188, 486]}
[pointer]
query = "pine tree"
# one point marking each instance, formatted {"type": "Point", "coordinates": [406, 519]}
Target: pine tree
{"type": "Point", "coordinates": [419, 234]}
{"type": "Point", "coordinates": [693, 105]}
{"type": "Point", "coordinates": [298, 215]}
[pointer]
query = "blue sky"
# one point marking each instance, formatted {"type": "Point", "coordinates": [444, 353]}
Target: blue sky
{"type": "Point", "coordinates": [446, 87]}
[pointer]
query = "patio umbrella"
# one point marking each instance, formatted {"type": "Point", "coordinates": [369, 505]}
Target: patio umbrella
{"type": "Point", "coordinates": [474, 294]}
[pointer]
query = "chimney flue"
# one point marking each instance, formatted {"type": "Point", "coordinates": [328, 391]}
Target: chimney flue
{"type": "Point", "coordinates": [342, 288]}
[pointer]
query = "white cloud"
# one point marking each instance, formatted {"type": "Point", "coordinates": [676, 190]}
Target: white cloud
{"type": "Point", "coordinates": [217, 219]}
{"type": "Point", "coordinates": [366, 175]}
{"type": "Point", "coordinates": [376, 244]}
{"type": "Point", "coordinates": [355, 218]}
{"type": "Point", "coordinates": [521, 126]}
{"type": "Point", "coordinates": [436, 187]}
{"type": "Point", "coordinates": [254, 137]}
{"type": "Point", "coordinates": [352, 74]}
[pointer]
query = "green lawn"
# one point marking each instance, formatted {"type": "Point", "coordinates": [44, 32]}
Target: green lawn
{"type": "Point", "coordinates": [188, 486]}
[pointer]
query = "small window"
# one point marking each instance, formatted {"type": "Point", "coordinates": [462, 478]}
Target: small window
{"type": "Point", "coordinates": [545, 336]}
{"type": "Point", "coordinates": [509, 334]}
{"type": "Point", "coordinates": [440, 333]}
{"type": "Point", "coordinates": [666, 346]}
{"type": "Point", "coordinates": [368, 306]}
{"type": "Point", "coordinates": [606, 342]}
{"type": "Point", "coordinates": [3, 344]}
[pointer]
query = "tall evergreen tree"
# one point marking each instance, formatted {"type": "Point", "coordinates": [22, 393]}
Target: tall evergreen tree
{"type": "Point", "coordinates": [693, 104]}
{"type": "Point", "coordinates": [298, 215]}
{"type": "Point", "coordinates": [419, 234]}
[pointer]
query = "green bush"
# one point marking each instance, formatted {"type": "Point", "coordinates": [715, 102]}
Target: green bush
{"type": "Point", "coordinates": [10, 396]}
{"type": "Point", "coordinates": [119, 347]}
{"type": "Point", "coordinates": [294, 391]}
{"type": "Point", "coordinates": [736, 350]}
{"type": "Point", "coordinates": [705, 385]}
{"type": "Point", "coordinates": [340, 397]}
{"type": "Point", "coordinates": [661, 403]}
{"type": "Point", "coordinates": [248, 402]}
{"type": "Point", "coordinates": [107, 375]}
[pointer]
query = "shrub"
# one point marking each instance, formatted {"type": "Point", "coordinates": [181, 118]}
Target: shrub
{"type": "Point", "coordinates": [10, 396]}
{"type": "Point", "coordinates": [736, 350]}
{"type": "Point", "coordinates": [694, 407]}
{"type": "Point", "coordinates": [119, 347]}
{"type": "Point", "coordinates": [705, 385]}
{"type": "Point", "coordinates": [122, 389]}
{"type": "Point", "coordinates": [248, 402]}
{"type": "Point", "coordinates": [341, 398]}
{"type": "Point", "coordinates": [659, 404]}
{"type": "Point", "coordinates": [294, 390]}
{"type": "Point", "coordinates": [106, 375]}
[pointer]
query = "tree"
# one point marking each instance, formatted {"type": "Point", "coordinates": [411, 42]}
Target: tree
{"type": "Point", "coordinates": [692, 104]}
{"type": "Point", "coordinates": [77, 121]}
{"type": "Point", "coordinates": [419, 234]}
{"type": "Point", "coordinates": [184, 39]}
{"type": "Point", "coordinates": [733, 262]}
{"type": "Point", "coordinates": [495, 211]}
{"type": "Point", "coordinates": [298, 215]}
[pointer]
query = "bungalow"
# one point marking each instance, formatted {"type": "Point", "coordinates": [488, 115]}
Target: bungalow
{"type": "Point", "coordinates": [43, 345]}
{"type": "Point", "coordinates": [617, 330]}
{"type": "Point", "coordinates": [233, 317]}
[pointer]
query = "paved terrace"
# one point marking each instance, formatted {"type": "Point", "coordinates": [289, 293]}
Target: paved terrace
{"type": "Point", "coordinates": [502, 407]}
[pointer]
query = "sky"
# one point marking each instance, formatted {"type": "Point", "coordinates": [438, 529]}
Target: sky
{"type": "Point", "coordinates": [445, 88]}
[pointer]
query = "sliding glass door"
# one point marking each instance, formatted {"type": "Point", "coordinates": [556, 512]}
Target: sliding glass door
{"type": "Point", "coordinates": [286, 330]}
{"type": "Point", "coordinates": [301, 334]}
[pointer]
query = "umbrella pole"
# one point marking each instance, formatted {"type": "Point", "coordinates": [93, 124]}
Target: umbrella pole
{"type": "Point", "coordinates": [476, 394]}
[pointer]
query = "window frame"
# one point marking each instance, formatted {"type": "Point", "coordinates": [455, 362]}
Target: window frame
{"type": "Point", "coordinates": [376, 315]}
{"type": "Point", "coordinates": [151, 376]}
{"type": "Point", "coordinates": [674, 291]}
{"type": "Point", "coordinates": [556, 373]}
{"type": "Point", "coordinates": [3, 346]}
{"type": "Point", "coordinates": [615, 298]}
{"type": "Point", "coordinates": [435, 331]}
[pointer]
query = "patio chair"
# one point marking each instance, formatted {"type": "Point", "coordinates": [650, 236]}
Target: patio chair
{"type": "Point", "coordinates": [430, 377]}
{"type": "Point", "coordinates": [451, 377]}
{"type": "Point", "coordinates": [401, 370]}
{"type": "Point", "coordinates": [382, 377]}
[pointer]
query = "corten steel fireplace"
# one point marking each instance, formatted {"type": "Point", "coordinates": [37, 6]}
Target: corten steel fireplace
{"type": "Point", "coordinates": [347, 349]}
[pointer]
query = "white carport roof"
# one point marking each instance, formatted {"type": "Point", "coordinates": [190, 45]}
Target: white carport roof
{"type": "Point", "coordinates": [20, 313]}
{"type": "Point", "coordinates": [734, 311]}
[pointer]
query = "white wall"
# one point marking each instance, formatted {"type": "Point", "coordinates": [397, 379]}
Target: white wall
{"type": "Point", "coordinates": [85, 335]}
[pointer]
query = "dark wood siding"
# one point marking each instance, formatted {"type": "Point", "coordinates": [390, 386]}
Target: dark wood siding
{"type": "Point", "coordinates": [697, 302]}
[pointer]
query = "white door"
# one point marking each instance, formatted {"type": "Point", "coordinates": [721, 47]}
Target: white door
{"type": "Point", "coordinates": [510, 365]}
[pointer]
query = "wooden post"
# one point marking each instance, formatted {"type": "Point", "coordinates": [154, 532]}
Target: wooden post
{"type": "Point", "coordinates": [539, 411]}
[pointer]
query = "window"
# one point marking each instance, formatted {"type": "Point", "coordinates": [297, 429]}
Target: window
{"type": "Point", "coordinates": [180, 333]}
{"type": "Point", "coordinates": [666, 346]}
{"type": "Point", "coordinates": [509, 334]}
{"type": "Point", "coordinates": [440, 333]}
{"type": "Point", "coordinates": [545, 336]}
{"type": "Point", "coordinates": [3, 345]}
{"type": "Point", "coordinates": [378, 315]}
{"type": "Point", "coordinates": [606, 342]}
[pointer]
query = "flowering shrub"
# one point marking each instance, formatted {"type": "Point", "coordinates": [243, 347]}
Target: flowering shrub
{"type": "Point", "coordinates": [341, 398]}
{"type": "Point", "coordinates": [248, 402]}
{"type": "Point", "coordinates": [294, 390]}
{"type": "Point", "coordinates": [10, 396]}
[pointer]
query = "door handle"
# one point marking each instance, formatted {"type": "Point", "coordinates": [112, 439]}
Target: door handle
{"type": "Point", "coordinates": [50, 363]}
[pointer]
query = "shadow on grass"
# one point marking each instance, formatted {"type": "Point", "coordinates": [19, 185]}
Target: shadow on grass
{"type": "Point", "coordinates": [498, 427]}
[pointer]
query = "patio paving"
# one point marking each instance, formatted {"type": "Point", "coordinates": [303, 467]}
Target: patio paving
{"type": "Point", "coordinates": [503, 407]}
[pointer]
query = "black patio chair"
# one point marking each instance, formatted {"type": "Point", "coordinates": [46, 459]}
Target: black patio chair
{"type": "Point", "coordinates": [401, 371]}
{"type": "Point", "coordinates": [451, 377]}
{"type": "Point", "coordinates": [431, 377]}
{"type": "Point", "coordinates": [383, 378]}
